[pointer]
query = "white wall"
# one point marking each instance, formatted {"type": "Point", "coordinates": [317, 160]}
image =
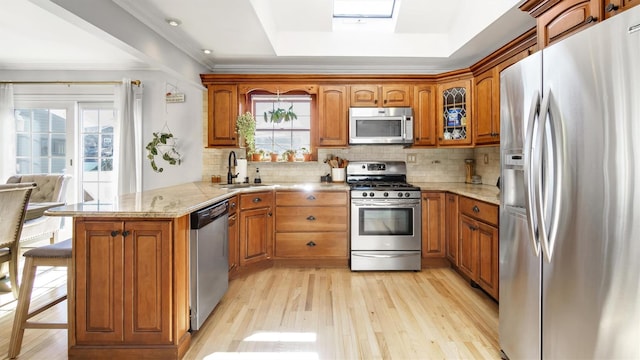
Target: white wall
{"type": "Point", "coordinates": [184, 119]}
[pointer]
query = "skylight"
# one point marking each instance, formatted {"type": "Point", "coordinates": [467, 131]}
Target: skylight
{"type": "Point", "coordinates": [374, 16]}
{"type": "Point", "coordinates": [381, 9]}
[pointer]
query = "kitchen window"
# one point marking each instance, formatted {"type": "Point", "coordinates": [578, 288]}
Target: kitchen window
{"type": "Point", "coordinates": [41, 140]}
{"type": "Point", "coordinates": [280, 136]}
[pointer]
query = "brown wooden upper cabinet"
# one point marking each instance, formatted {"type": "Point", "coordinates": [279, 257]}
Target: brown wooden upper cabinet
{"type": "Point", "coordinates": [486, 107]}
{"type": "Point", "coordinates": [333, 116]}
{"type": "Point", "coordinates": [424, 115]}
{"type": "Point", "coordinates": [390, 95]}
{"type": "Point", "coordinates": [558, 19]}
{"type": "Point", "coordinates": [614, 7]}
{"type": "Point", "coordinates": [222, 114]}
{"type": "Point", "coordinates": [454, 113]}
{"type": "Point", "coordinates": [486, 102]}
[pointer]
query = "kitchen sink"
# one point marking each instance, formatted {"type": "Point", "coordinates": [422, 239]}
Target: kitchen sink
{"type": "Point", "coordinates": [241, 185]}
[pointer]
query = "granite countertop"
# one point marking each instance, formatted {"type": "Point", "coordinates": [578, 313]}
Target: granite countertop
{"type": "Point", "coordinates": [486, 193]}
{"type": "Point", "coordinates": [179, 200]}
{"type": "Point", "coordinates": [176, 201]}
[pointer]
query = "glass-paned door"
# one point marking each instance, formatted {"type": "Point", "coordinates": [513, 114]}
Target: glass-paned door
{"type": "Point", "coordinates": [41, 140]}
{"type": "Point", "coordinates": [96, 127]}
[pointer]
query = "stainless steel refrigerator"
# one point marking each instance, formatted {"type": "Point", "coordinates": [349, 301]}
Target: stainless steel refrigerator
{"type": "Point", "coordinates": [570, 210]}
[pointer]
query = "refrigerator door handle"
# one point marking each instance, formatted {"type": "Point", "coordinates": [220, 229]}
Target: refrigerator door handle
{"type": "Point", "coordinates": [539, 193]}
{"type": "Point", "coordinates": [559, 153]}
{"type": "Point", "coordinates": [528, 172]}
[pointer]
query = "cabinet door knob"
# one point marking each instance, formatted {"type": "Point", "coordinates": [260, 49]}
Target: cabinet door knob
{"type": "Point", "coordinates": [476, 209]}
{"type": "Point", "coordinates": [311, 244]}
{"type": "Point", "coordinates": [270, 214]}
{"type": "Point", "coordinates": [311, 218]}
{"type": "Point", "coordinates": [590, 19]}
{"type": "Point", "coordinates": [256, 200]}
{"type": "Point", "coordinates": [233, 205]}
{"type": "Point", "coordinates": [125, 233]}
{"type": "Point", "coordinates": [115, 233]}
{"type": "Point", "coordinates": [611, 7]}
{"type": "Point", "coordinates": [311, 197]}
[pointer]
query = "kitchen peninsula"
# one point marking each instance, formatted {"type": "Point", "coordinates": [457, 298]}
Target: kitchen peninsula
{"type": "Point", "coordinates": [131, 264]}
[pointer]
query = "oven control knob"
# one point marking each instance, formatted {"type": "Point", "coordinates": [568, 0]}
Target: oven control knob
{"type": "Point", "coordinates": [364, 194]}
{"type": "Point", "coordinates": [399, 194]}
{"type": "Point", "coordinates": [406, 195]}
{"type": "Point", "coordinates": [386, 194]}
{"type": "Point", "coordinates": [371, 194]}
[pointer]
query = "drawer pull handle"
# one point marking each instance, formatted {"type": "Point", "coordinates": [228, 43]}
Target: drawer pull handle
{"type": "Point", "coordinates": [311, 244]}
{"type": "Point", "coordinates": [233, 205]}
{"type": "Point", "coordinates": [311, 197]}
{"type": "Point", "coordinates": [256, 200]}
{"type": "Point", "coordinates": [311, 218]}
{"type": "Point", "coordinates": [476, 209]}
{"type": "Point", "coordinates": [115, 233]}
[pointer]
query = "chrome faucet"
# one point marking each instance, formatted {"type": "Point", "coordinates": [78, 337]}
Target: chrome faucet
{"type": "Point", "coordinates": [230, 175]}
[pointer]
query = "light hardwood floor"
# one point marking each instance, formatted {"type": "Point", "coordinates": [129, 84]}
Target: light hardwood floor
{"type": "Point", "coordinates": [328, 313]}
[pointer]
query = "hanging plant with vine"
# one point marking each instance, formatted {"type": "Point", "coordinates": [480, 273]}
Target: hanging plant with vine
{"type": "Point", "coordinates": [163, 144]}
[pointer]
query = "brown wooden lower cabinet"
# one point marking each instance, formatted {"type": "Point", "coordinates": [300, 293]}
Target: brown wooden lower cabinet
{"type": "Point", "coordinates": [132, 288]}
{"type": "Point", "coordinates": [451, 224]}
{"type": "Point", "coordinates": [256, 227]}
{"type": "Point", "coordinates": [312, 225]}
{"type": "Point", "coordinates": [433, 224]}
{"type": "Point", "coordinates": [234, 251]}
{"type": "Point", "coordinates": [478, 252]}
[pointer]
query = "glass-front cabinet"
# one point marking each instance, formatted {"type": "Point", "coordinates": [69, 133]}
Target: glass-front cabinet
{"type": "Point", "coordinates": [454, 113]}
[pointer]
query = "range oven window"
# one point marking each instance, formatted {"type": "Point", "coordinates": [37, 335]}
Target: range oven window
{"type": "Point", "coordinates": [385, 221]}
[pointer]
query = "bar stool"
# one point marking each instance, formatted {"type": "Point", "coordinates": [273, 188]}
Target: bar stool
{"type": "Point", "coordinates": [58, 254]}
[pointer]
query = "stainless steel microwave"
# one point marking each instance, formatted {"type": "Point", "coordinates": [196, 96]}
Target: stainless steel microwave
{"type": "Point", "coordinates": [380, 125]}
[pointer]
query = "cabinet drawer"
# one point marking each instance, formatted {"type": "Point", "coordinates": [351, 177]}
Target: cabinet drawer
{"type": "Point", "coordinates": [311, 244]}
{"type": "Point", "coordinates": [256, 200]}
{"type": "Point", "coordinates": [310, 218]}
{"type": "Point", "coordinates": [320, 198]}
{"type": "Point", "coordinates": [479, 210]}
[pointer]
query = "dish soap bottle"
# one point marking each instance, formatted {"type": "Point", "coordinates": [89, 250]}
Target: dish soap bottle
{"type": "Point", "coordinates": [257, 179]}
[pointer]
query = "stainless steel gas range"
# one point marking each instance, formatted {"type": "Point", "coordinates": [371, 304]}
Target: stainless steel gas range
{"type": "Point", "coordinates": [385, 217]}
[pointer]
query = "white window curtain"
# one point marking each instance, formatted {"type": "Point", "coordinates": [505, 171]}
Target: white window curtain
{"type": "Point", "coordinates": [8, 133]}
{"type": "Point", "coordinates": [128, 142]}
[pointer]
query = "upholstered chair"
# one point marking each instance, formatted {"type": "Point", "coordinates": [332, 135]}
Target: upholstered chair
{"type": "Point", "coordinates": [13, 205]}
{"type": "Point", "coordinates": [51, 188]}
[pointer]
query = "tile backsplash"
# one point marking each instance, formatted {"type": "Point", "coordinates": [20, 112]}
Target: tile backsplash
{"type": "Point", "coordinates": [431, 165]}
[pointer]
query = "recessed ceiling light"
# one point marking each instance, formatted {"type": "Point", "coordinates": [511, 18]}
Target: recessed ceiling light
{"type": "Point", "coordinates": [173, 22]}
{"type": "Point", "coordinates": [206, 51]}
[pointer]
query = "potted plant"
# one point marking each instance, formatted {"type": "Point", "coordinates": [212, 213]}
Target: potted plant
{"type": "Point", "coordinates": [289, 155]}
{"type": "Point", "coordinates": [246, 129]}
{"type": "Point", "coordinates": [274, 156]}
{"type": "Point", "coordinates": [306, 154]}
{"type": "Point", "coordinates": [162, 144]}
{"type": "Point", "coordinates": [276, 116]}
{"type": "Point", "coordinates": [256, 155]}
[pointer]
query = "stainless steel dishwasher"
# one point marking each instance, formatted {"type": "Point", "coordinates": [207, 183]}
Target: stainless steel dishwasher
{"type": "Point", "coordinates": [209, 268]}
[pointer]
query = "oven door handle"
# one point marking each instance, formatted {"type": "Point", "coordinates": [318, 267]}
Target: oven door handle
{"type": "Point", "coordinates": [383, 256]}
{"type": "Point", "coordinates": [404, 203]}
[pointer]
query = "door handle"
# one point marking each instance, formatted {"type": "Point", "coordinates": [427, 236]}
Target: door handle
{"type": "Point", "coordinates": [534, 112]}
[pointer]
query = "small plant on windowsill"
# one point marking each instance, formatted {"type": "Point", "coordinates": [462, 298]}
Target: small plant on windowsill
{"type": "Point", "coordinates": [306, 154]}
{"type": "Point", "coordinates": [289, 155]}
{"type": "Point", "coordinates": [162, 144]}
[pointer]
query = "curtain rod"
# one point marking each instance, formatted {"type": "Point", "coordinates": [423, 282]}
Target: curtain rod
{"type": "Point", "coordinates": [133, 82]}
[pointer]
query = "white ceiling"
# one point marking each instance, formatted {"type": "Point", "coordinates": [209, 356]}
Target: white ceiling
{"type": "Point", "coordinates": [253, 35]}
